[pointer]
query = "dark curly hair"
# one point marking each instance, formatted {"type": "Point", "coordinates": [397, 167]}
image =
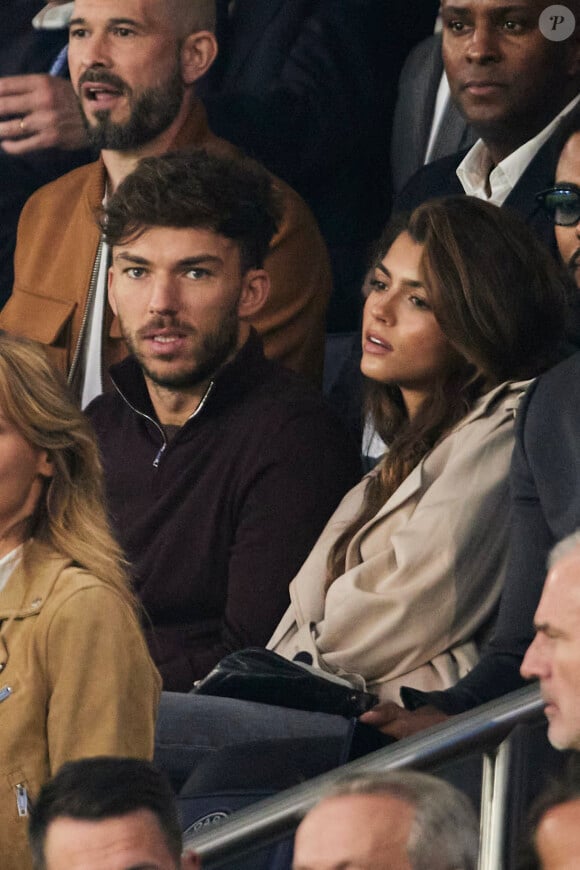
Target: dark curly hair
{"type": "Point", "coordinates": [234, 198]}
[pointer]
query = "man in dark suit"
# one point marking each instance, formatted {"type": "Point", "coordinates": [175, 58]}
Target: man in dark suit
{"type": "Point", "coordinates": [510, 83]}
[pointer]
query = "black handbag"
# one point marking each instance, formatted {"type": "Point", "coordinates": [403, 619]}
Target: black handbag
{"type": "Point", "coordinates": [257, 674]}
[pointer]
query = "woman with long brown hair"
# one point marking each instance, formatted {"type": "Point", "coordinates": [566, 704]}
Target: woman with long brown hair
{"type": "Point", "coordinates": [463, 307]}
{"type": "Point", "coordinates": [76, 679]}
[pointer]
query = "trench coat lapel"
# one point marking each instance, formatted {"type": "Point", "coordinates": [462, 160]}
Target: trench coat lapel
{"type": "Point", "coordinates": [409, 487]}
{"type": "Point", "coordinates": [414, 481]}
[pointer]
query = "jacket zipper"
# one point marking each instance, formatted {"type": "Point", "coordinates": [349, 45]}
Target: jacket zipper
{"type": "Point", "coordinates": [88, 305]}
{"type": "Point", "coordinates": [160, 453]}
{"type": "Point", "coordinates": [21, 799]}
{"type": "Point", "coordinates": [163, 447]}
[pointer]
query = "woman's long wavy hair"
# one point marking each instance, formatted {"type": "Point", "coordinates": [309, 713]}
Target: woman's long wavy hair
{"type": "Point", "coordinates": [499, 298]}
{"type": "Point", "coordinates": [71, 516]}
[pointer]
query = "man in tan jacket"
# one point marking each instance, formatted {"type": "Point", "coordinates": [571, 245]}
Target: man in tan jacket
{"type": "Point", "coordinates": [133, 65]}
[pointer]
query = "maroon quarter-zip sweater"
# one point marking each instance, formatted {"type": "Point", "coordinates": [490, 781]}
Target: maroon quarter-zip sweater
{"type": "Point", "coordinates": [217, 521]}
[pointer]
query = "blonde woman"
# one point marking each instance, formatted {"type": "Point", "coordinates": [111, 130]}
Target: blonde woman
{"type": "Point", "coordinates": [75, 676]}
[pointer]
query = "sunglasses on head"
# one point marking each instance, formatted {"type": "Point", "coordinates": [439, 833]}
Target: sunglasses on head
{"type": "Point", "coordinates": [561, 204]}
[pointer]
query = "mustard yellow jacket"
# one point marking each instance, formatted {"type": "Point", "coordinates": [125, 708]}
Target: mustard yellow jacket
{"type": "Point", "coordinates": [76, 680]}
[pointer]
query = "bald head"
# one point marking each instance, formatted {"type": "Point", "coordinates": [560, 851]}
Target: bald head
{"type": "Point", "coordinates": [186, 16]}
{"type": "Point", "coordinates": [191, 16]}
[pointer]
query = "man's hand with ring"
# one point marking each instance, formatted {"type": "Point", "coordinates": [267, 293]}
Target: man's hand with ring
{"type": "Point", "coordinates": [43, 112]}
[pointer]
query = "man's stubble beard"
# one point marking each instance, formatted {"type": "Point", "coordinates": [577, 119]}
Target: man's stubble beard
{"type": "Point", "coordinates": [152, 113]}
{"type": "Point", "coordinates": [210, 354]}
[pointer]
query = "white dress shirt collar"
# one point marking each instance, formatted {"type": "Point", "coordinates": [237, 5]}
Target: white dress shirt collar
{"type": "Point", "coordinates": [476, 167]}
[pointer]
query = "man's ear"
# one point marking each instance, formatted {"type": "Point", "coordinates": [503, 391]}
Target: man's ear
{"type": "Point", "coordinates": [198, 52]}
{"type": "Point", "coordinates": [111, 294]}
{"type": "Point", "coordinates": [255, 291]}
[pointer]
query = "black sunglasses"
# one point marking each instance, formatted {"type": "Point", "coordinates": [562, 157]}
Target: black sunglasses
{"type": "Point", "coordinates": [561, 204]}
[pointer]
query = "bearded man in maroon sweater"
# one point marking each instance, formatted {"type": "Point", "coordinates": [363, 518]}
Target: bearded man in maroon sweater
{"type": "Point", "coordinates": [221, 466]}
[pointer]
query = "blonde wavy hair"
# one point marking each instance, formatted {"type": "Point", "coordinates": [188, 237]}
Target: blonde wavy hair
{"type": "Point", "coordinates": [71, 517]}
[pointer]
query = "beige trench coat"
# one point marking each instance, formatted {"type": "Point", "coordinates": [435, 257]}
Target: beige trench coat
{"type": "Point", "coordinates": [424, 576]}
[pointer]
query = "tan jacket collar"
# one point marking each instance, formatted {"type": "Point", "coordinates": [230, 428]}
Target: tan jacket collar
{"type": "Point", "coordinates": [195, 131]}
{"type": "Point", "coordinates": [31, 584]}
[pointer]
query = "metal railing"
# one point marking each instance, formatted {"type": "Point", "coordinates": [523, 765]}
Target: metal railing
{"type": "Point", "coordinates": [484, 729]}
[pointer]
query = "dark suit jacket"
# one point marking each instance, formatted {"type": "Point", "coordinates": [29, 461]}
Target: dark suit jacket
{"type": "Point", "coordinates": [545, 483]}
{"type": "Point", "coordinates": [307, 87]}
{"type": "Point", "coordinates": [413, 118]}
{"type": "Point", "coordinates": [291, 77]}
{"type": "Point", "coordinates": [440, 179]}
{"type": "Point", "coordinates": [302, 72]}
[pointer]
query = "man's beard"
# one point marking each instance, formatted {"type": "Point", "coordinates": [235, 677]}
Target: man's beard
{"type": "Point", "coordinates": [210, 353]}
{"type": "Point", "coordinates": [152, 112]}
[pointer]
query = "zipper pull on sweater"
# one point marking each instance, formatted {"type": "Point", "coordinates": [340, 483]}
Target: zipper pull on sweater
{"type": "Point", "coordinates": [160, 453]}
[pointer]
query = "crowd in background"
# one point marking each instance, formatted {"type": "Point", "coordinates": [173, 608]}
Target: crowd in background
{"type": "Point", "coordinates": [206, 207]}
